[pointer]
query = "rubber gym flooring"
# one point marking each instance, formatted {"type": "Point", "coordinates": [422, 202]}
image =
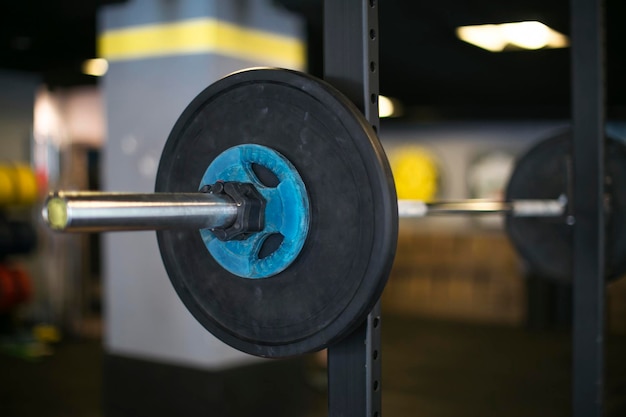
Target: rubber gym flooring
{"type": "Point", "coordinates": [430, 369]}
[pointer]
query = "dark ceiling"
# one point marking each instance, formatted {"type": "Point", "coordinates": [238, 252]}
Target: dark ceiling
{"type": "Point", "coordinates": [50, 37]}
{"type": "Point", "coordinates": [437, 75]}
{"type": "Point", "coordinates": [422, 62]}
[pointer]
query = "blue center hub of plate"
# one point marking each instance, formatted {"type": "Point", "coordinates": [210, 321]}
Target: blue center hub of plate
{"type": "Point", "coordinates": [286, 212]}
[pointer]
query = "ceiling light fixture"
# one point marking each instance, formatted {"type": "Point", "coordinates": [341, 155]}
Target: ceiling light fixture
{"type": "Point", "coordinates": [529, 35]}
{"type": "Point", "coordinates": [388, 107]}
{"type": "Point", "coordinates": [96, 67]}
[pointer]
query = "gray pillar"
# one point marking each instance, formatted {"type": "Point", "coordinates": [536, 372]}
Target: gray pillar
{"type": "Point", "coordinates": [16, 114]}
{"type": "Point", "coordinates": [161, 54]}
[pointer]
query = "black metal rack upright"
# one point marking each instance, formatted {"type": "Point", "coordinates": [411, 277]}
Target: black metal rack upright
{"type": "Point", "coordinates": [351, 65]}
{"type": "Point", "coordinates": [588, 114]}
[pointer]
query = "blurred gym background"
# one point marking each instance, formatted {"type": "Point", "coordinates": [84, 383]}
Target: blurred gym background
{"type": "Point", "coordinates": [89, 324]}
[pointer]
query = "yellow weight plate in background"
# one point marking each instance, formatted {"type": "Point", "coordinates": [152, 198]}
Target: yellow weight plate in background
{"type": "Point", "coordinates": [6, 186]}
{"type": "Point", "coordinates": [415, 172]}
{"type": "Point", "coordinates": [18, 185]}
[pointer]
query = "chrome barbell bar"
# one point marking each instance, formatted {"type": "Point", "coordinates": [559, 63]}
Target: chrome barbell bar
{"type": "Point", "coordinates": [102, 211]}
{"type": "Point", "coordinates": [517, 208]}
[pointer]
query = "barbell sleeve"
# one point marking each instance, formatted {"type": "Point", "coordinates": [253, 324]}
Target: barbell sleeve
{"type": "Point", "coordinates": [100, 212]}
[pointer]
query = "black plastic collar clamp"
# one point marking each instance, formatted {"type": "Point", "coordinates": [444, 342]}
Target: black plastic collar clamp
{"type": "Point", "coordinates": [250, 209]}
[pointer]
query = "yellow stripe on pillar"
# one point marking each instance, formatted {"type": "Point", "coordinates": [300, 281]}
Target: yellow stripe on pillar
{"type": "Point", "coordinates": [205, 35]}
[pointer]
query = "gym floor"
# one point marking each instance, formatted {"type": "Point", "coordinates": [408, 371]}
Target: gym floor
{"type": "Point", "coordinates": [431, 369]}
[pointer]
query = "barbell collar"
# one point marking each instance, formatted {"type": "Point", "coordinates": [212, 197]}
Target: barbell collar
{"type": "Point", "coordinates": [101, 212]}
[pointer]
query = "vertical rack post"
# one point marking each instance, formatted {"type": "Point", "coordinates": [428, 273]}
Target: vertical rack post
{"type": "Point", "coordinates": [351, 65]}
{"type": "Point", "coordinates": [588, 189]}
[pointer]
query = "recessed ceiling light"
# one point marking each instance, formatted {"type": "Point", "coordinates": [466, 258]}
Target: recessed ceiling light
{"type": "Point", "coordinates": [388, 107]}
{"type": "Point", "coordinates": [96, 67]}
{"type": "Point", "coordinates": [529, 35]}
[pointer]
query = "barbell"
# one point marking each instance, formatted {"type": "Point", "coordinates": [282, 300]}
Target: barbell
{"type": "Point", "coordinates": [277, 217]}
{"type": "Point", "coordinates": [84, 211]}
